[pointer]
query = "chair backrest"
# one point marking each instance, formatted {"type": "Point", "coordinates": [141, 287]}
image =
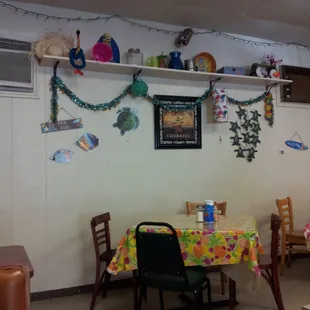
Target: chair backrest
{"type": "Point", "coordinates": [191, 206]}
{"type": "Point", "coordinates": [221, 206]}
{"type": "Point", "coordinates": [159, 252]}
{"type": "Point", "coordinates": [286, 213]}
{"type": "Point", "coordinates": [275, 237]}
{"type": "Point", "coordinates": [101, 232]}
{"type": "Point", "coordinates": [14, 288]}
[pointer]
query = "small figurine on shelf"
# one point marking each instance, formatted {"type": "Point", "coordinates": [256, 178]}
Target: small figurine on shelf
{"type": "Point", "coordinates": [272, 64]}
{"type": "Point", "coordinates": [77, 57]}
{"type": "Point", "coordinates": [267, 68]}
{"type": "Point", "coordinates": [184, 37]}
{"type": "Point", "coordinates": [269, 60]}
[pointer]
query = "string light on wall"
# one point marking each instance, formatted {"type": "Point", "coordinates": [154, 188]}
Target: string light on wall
{"type": "Point", "coordinates": [107, 18]}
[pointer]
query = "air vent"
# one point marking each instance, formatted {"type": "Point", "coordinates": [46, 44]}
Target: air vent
{"type": "Point", "coordinates": [16, 74]}
{"type": "Point", "coordinates": [299, 90]}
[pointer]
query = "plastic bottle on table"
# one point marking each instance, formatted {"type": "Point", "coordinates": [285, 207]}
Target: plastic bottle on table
{"type": "Point", "coordinates": [209, 211]}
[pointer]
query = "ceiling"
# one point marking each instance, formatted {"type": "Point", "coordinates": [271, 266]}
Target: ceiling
{"type": "Point", "coordinates": [283, 20]}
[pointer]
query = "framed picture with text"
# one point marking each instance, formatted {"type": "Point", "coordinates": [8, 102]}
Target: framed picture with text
{"type": "Point", "coordinates": [177, 129]}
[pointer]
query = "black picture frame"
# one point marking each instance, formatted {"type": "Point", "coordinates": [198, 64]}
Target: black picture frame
{"type": "Point", "coordinates": [180, 139]}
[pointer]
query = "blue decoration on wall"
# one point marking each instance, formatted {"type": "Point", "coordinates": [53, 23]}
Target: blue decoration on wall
{"type": "Point", "coordinates": [77, 57]}
{"type": "Point", "coordinates": [300, 146]}
{"type": "Point", "coordinates": [296, 145]}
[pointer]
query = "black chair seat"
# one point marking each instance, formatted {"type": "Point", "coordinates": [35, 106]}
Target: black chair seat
{"type": "Point", "coordinates": [107, 255]}
{"type": "Point", "coordinates": [196, 278]}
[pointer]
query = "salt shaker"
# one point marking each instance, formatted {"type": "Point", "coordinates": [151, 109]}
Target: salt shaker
{"type": "Point", "coordinates": [199, 214]}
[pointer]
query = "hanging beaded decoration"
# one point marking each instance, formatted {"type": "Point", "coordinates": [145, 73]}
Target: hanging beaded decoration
{"type": "Point", "coordinates": [77, 57]}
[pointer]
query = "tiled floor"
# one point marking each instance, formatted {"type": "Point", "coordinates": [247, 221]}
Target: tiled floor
{"type": "Point", "coordinates": [295, 286]}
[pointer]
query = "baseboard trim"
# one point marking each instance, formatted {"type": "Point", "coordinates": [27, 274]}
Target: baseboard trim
{"type": "Point", "coordinates": [117, 284]}
{"type": "Point", "coordinates": [77, 290]}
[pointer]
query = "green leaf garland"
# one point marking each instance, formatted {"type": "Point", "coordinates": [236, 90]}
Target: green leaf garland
{"type": "Point", "coordinates": [58, 84]}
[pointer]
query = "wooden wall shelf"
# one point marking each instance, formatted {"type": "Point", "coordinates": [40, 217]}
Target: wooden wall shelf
{"type": "Point", "coordinates": [163, 73]}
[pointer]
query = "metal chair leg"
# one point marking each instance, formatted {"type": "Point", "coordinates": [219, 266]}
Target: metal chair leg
{"type": "Point", "coordinates": [209, 293]}
{"type": "Point", "coordinates": [232, 294]}
{"type": "Point", "coordinates": [222, 283]}
{"type": "Point", "coordinates": [144, 292]}
{"type": "Point", "coordinates": [106, 282]}
{"type": "Point", "coordinates": [140, 299]}
{"type": "Point", "coordinates": [195, 302]}
{"type": "Point", "coordinates": [161, 299]}
{"type": "Point", "coordinates": [135, 290]}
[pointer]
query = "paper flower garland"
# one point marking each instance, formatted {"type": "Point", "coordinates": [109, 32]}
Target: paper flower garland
{"type": "Point", "coordinates": [220, 110]}
{"type": "Point", "coordinates": [269, 109]}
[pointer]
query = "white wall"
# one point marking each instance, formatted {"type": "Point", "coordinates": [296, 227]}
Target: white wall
{"type": "Point", "coordinates": [47, 207]}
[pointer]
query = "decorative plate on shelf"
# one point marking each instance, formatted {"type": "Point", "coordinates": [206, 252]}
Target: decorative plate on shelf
{"type": "Point", "coordinates": [205, 62]}
{"type": "Point", "coordinates": [107, 39]}
{"type": "Point", "coordinates": [102, 52]}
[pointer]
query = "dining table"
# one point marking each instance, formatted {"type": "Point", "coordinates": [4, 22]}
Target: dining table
{"type": "Point", "coordinates": [231, 240]}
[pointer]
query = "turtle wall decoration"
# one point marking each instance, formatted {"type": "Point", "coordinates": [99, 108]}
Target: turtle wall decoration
{"type": "Point", "coordinates": [246, 133]}
{"type": "Point", "coordinates": [127, 120]}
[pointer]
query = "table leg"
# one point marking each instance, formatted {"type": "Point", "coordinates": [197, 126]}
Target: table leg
{"type": "Point", "coordinates": [232, 294]}
{"type": "Point", "coordinates": [135, 290]}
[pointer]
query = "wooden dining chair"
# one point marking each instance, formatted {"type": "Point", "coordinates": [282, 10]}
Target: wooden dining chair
{"type": "Point", "coordinates": [101, 236]}
{"type": "Point", "coordinates": [268, 263]}
{"type": "Point", "coordinates": [290, 237]}
{"type": "Point", "coordinates": [221, 206]}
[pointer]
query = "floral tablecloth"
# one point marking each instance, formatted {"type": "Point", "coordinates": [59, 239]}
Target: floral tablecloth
{"type": "Point", "coordinates": [229, 241]}
{"type": "Point", "coordinates": [307, 235]}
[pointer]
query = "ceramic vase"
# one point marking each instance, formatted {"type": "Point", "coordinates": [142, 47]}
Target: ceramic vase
{"type": "Point", "coordinates": [175, 61]}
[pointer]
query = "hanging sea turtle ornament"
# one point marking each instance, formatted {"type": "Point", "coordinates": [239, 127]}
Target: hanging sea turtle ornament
{"type": "Point", "coordinates": [255, 140]}
{"type": "Point", "coordinates": [127, 120]}
{"type": "Point", "coordinates": [234, 126]}
{"type": "Point", "coordinates": [246, 124]}
{"type": "Point", "coordinates": [241, 113]}
{"type": "Point", "coordinates": [236, 139]}
{"type": "Point", "coordinates": [246, 137]}
{"type": "Point", "coordinates": [240, 152]}
{"type": "Point", "coordinates": [256, 127]}
{"type": "Point", "coordinates": [251, 154]}
{"type": "Point", "coordinates": [256, 115]}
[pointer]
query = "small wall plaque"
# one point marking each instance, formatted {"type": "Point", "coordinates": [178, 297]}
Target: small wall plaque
{"type": "Point", "coordinates": [74, 123]}
{"type": "Point", "coordinates": [68, 124]}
